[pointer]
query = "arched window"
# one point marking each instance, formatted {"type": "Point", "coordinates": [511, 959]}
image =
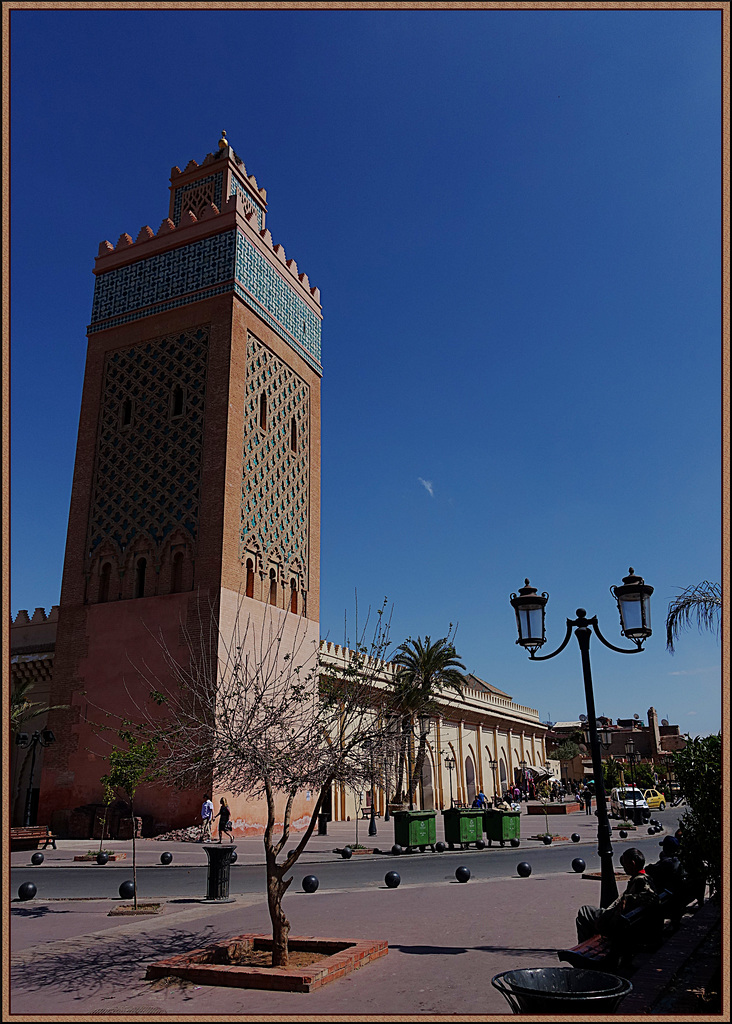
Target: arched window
{"type": "Point", "coordinates": [140, 577]}
{"type": "Point", "coordinates": [176, 404]}
{"type": "Point", "coordinates": [176, 575]}
{"type": "Point", "coordinates": [272, 587]}
{"type": "Point", "coordinates": [126, 412]}
{"type": "Point", "coordinates": [250, 578]}
{"type": "Point", "coordinates": [293, 596]}
{"type": "Point", "coordinates": [104, 582]}
{"type": "Point", "coordinates": [293, 434]}
{"type": "Point", "coordinates": [263, 410]}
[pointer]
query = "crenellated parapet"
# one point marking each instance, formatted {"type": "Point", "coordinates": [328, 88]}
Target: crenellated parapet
{"type": "Point", "coordinates": [214, 240]}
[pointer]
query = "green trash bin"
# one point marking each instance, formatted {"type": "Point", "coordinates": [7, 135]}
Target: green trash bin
{"type": "Point", "coordinates": [502, 826]}
{"type": "Point", "coordinates": [415, 829]}
{"type": "Point", "coordinates": [463, 825]}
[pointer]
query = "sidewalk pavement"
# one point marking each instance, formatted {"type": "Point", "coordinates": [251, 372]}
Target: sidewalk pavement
{"type": "Point", "coordinates": [446, 940]}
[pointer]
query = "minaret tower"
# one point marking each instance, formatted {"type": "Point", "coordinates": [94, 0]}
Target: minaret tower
{"type": "Point", "coordinates": [197, 474]}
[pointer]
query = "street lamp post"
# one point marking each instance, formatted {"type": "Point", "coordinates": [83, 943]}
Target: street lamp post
{"type": "Point", "coordinates": [494, 767]}
{"type": "Point", "coordinates": [45, 738]}
{"type": "Point", "coordinates": [450, 764]}
{"type": "Point", "coordinates": [523, 766]}
{"type": "Point", "coordinates": [631, 755]}
{"type": "Point", "coordinates": [633, 599]}
{"type": "Point", "coordinates": [369, 745]}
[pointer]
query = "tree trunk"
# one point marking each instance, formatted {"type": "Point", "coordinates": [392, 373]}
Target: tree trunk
{"type": "Point", "coordinates": [276, 889]}
{"type": "Point", "coordinates": [418, 765]}
{"type": "Point", "coordinates": [134, 861]}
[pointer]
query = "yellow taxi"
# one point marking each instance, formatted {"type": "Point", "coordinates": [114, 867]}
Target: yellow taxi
{"type": "Point", "coordinates": [655, 800]}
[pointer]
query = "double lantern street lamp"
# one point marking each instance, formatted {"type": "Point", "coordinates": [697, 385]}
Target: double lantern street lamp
{"type": "Point", "coordinates": [494, 767]}
{"type": "Point", "coordinates": [633, 759]}
{"type": "Point", "coordinates": [45, 738]}
{"type": "Point", "coordinates": [634, 604]}
{"type": "Point", "coordinates": [450, 764]}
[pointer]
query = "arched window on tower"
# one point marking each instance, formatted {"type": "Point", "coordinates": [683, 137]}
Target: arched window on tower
{"type": "Point", "coordinates": [250, 578]}
{"type": "Point", "coordinates": [176, 574]}
{"type": "Point", "coordinates": [293, 596]}
{"type": "Point", "coordinates": [140, 570]}
{"type": "Point", "coordinates": [104, 581]}
{"type": "Point", "coordinates": [176, 401]}
{"type": "Point", "coordinates": [263, 410]}
{"type": "Point", "coordinates": [293, 434]}
{"type": "Point", "coordinates": [272, 587]}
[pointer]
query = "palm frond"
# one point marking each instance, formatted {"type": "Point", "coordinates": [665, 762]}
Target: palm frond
{"type": "Point", "coordinates": [701, 603]}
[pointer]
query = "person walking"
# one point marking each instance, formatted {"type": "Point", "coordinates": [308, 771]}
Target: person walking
{"type": "Point", "coordinates": [587, 793]}
{"type": "Point", "coordinates": [207, 809]}
{"type": "Point", "coordinates": [224, 817]}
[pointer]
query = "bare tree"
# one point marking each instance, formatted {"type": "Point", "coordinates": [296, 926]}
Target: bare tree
{"type": "Point", "coordinates": [269, 717]}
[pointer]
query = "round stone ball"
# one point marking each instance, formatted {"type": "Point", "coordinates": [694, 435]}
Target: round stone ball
{"type": "Point", "coordinates": [515, 842]}
{"type": "Point", "coordinates": [166, 858]}
{"type": "Point", "coordinates": [102, 858]}
{"type": "Point", "coordinates": [575, 837]}
{"type": "Point", "coordinates": [346, 853]}
{"type": "Point", "coordinates": [396, 849]}
{"type": "Point", "coordinates": [578, 865]}
{"type": "Point", "coordinates": [392, 879]}
{"type": "Point", "coordinates": [310, 883]}
{"type": "Point", "coordinates": [127, 890]}
{"type": "Point", "coordinates": [546, 840]}
{"type": "Point", "coordinates": [480, 844]}
{"type": "Point", "coordinates": [523, 869]}
{"type": "Point", "coordinates": [652, 830]}
{"type": "Point", "coordinates": [462, 874]}
{"type": "Point", "coordinates": [233, 857]}
{"type": "Point", "coordinates": [440, 847]}
{"type": "Point", "coordinates": [27, 891]}
{"type": "Point", "coordinates": [37, 858]}
{"type": "Point", "coordinates": [623, 834]}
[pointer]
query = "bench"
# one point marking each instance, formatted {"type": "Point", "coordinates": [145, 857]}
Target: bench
{"type": "Point", "coordinates": [366, 813]}
{"type": "Point", "coordinates": [640, 926]}
{"type": "Point", "coordinates": [30, 837]}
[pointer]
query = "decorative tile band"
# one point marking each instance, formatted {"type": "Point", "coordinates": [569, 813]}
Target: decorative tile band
{"type": "Point", "coordinates": [249, 203]}
{"type": "Point", "coordinates": [204, 190]}
{"type": "Point", "coordinates": [210, 266]}
{"type": "Point", "coordinates": [165, 276]}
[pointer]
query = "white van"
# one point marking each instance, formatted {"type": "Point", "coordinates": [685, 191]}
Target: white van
{"type": "Point", "coordinates": [630, 804]}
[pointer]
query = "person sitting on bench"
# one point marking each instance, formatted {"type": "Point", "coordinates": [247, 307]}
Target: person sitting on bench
{"type": "Point", "coordinates": [668, 872]}
{"type": "Point", "coordinates": [639, 892]}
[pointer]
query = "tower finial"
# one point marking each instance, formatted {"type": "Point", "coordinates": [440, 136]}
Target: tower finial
{"type": "Point", "coordinates": [223, 141]}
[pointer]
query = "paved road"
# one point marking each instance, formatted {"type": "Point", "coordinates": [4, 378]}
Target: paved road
{"type": "Point", "coordinates": [90, 880]}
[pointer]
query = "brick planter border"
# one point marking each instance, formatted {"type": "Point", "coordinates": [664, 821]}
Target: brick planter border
{"type": "Point", "coordinates": [341, 957]}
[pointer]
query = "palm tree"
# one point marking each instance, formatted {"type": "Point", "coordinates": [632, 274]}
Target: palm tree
{"type": "Point", "coordinates": [424, 672]}
{"type": "Point", "coordinates": [702, 602]}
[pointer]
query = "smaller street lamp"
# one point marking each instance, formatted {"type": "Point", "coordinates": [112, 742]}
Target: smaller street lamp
{"type": "Point", "coordinates": [369, 744]}
{"type": "Point", "coordinates": [450, 764]}
{"type": "Point", "coordinates": [632, 758]}
{"type": "Point", "coordinates": [45, 738]}
{"type": "Point", "coordinates": [494, 767]}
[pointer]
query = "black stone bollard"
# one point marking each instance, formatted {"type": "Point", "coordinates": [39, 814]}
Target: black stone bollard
{"type": "Point", "coordinates": [392, 879]}
{"type": "Point", "coordinates": [310, 883]}
{"type": "Point", "coordinates": [462, 874]}
{"type": "Point", "coordinates": [217, 878]}
{"type": "Point", "coordinates": [166, 858]}
{"type": "Point", "coordinates": [37, 858]}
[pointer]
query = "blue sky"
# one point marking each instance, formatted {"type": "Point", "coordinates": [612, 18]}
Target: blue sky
{"type": "Point", "coordinates": [514, 221]}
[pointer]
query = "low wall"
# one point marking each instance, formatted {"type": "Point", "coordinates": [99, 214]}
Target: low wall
{"type": "Point", "coordinates": [569, 808]}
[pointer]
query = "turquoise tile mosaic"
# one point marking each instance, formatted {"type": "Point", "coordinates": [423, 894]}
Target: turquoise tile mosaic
{"type": "Point", "coordinates": [276, 301]}
{"type": "Point", "coordinates": [238, 186]}
{"type": "Point", "coordinates": [210, 266]}
{"type": "Point", "coordinates": [197, 193]}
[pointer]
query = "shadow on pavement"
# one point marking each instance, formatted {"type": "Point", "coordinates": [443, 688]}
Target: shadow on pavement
{"type": "Point", "coordinates": [454, 950]}
{"type": "Point", "coordinates": [36, 911]}
{"type": "Point", "coordinates": [117, 961]}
